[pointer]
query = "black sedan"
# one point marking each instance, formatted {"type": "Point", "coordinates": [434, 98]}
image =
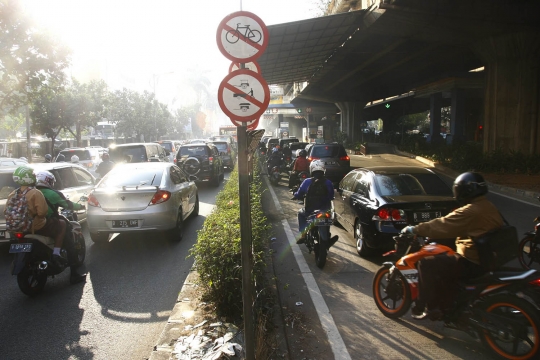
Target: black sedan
{"type": "Point", "coordinates": [375, 203]}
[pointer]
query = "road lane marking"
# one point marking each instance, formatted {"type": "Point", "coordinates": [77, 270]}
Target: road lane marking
{"type": "Point", "coordinates": [327, 321]}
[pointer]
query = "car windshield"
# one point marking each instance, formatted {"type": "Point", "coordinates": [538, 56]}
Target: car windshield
{"type": "Point", "coordinates": [7, 185]}
{"type": "Point", "coordinates": [327, 151]}
{"type": "Point", "coordinates": [130, 154]}
{"type": "Point", "coordinates": [193, 150]}
{"type": "Point", "coordinates": [411, 184]}
{"type": "Point", "coordinates": [82, 154]}
{"type": "Point", "coordinates": [117, 178]}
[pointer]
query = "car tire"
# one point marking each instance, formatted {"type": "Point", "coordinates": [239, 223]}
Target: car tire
{"type": "Point", "coordinates": [215, 180]}
{"type": "Point", "coordinates": [99, 238]}
{"type": "Point", "coordinates": [177, 233]}
{"type": "Point", "coordinates": [361, 247]}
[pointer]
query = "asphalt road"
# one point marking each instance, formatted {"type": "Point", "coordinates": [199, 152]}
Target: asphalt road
{"type": "Point", "coordinates": [133, 283]}
{"type": "Point", "coordinates": [345, 286]}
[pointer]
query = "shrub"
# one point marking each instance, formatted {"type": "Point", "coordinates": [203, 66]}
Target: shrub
{"type": "Point", "coordinates": [217, 253]}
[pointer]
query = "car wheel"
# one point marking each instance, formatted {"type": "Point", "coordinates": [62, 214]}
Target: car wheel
{"type": "Point", "coordinates": [195, 212]}
{"type": "Point", "coordinates": [215, 180]}
{"type": "Point", "coordinates": [99, 238]}
{"type": "Point", "coordinates": [361, 246]}
{"type": "Point", "coordinates": [176, 233]}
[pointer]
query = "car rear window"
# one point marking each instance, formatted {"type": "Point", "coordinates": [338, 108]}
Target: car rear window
{"type": "Point", "coordinates": [7, 185]}
{"type": "Point", "coordinates": [326, 151]}
{"type": "Point", "coordinates": [167, 146]}
{"type": "Point", "coordinates": [222, 146]}
{"type": "Point", "coordinates": [131, 154]}
{"type": "Point", "coordinates": [82, 154]}
{"type": "Point", "coordinates": [297, 145]}
{"type": "Point", "coordinates": [411, 184]}
{"type": "Point", "coordinates": [117, 178]}
{"type": "Point", "coordinates": [193, 150]}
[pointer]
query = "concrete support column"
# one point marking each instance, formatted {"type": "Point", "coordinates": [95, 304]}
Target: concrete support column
{"type": "Point", "coordinates": [511, 100]}
{"type": "Point", "coordinates": [457, 116]}
{"type": "Point", "coordinates": [351, 116]}
{"type": "Point", "coordinates": [435, 102]}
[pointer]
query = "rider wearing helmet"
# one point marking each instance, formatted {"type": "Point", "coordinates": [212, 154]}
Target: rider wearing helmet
{"type": "Point", "coordinates": [45, 181]}
{"type": "Point", "coordinates": [48, 158]}
{"type": "Point", "coordinates": [105, 166]}
{"type": "Point", "coordinates": [318, 192]}
{"type": "Point", "coordinates": [300, 164]}
{"type": "Point", "coordinates": [60, 158]}
{"type": "Point", "coordinates": [275, 158]}
{"type": "Point", "coordinates": [38, 208]}
{"type": "Point", "coordinates": [439, 274]}
{"type": "Point", "coordinates": [75, 159]}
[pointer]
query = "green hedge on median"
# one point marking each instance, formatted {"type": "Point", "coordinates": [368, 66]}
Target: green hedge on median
{"type": "Point", "coordinates": [217, 252]}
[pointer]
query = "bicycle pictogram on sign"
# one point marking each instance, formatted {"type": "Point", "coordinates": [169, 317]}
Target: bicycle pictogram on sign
{"type": "Point", "coordinates": [248, 35]}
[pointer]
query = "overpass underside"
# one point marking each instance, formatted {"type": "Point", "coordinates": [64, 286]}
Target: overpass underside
{"type": "Point", "coordinates": [425, 49]}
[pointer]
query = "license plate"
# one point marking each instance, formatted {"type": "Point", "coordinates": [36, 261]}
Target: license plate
{"type": "Point", "coordinates": [20, 248]}
{"type": "Point", "coordinates": [323, 222]}
{"type": "Point", "coordinates": [425, 216]}
{"type": "Point", "coordinates": [330, 162]}
{"type": "Point", "coordinates": [125, 223]}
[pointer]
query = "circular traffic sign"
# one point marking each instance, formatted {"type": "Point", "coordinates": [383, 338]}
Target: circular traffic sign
{"type": "Point", "coordinates": [243, 95]}
{"type": "Point", "coordinates": [242, 37]}
{"type": "Point", "coordinates": [251, 125]}
{"type": "Point", "coordinates": [252, 65]}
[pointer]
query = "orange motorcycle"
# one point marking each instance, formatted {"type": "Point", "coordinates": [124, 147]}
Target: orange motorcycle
{"type": "Point", "coordinates": [499, 307]}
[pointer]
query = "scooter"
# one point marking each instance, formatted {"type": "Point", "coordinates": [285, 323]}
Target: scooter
{"type": "Point", "coordinates": [295, 180]}
{"type": "Point", "coordinates": [499, 307]}
{"type": "Point", "coordinates": [33, 253]}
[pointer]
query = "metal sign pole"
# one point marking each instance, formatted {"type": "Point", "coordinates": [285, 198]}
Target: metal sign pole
{"type": "Point", "coordinates": [246, 241]}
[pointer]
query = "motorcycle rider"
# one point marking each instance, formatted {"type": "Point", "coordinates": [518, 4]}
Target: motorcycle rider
{"type": "Point", "coordinates": [75, 159]}
{"type": "Point", "coordinates": [439, 274]}
{"type": "Point", "coordinates": [274, 159]}
{"type": "Point", "coordinates": [45, 183]}
{"type": "Point", "coordinates": [48, 158]}
{"type": "Point", "coordinates": [105, 166]}
{"type": "Point", "coordinates": [286, 151]}
{"type": "Point", "coordinates": [38, 208]}
{"type": "Point", "coordinates": [314, 200]}
{"type": "Point", "coordinates": [300, 164]}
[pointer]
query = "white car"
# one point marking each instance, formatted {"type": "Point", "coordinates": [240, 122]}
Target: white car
{"type": "Point", "coordinates": [89, 158]}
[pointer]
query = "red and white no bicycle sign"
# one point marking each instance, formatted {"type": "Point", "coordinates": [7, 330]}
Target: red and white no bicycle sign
{"type": "Point", "coordinates": [252, 65]}
{"type": "Point", "coordinates": [242, 37]}
{"type": "Point", "coordinates": [243, 95]}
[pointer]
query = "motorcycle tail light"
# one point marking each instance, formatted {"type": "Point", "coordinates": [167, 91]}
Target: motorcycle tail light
{"type": "Point", "coordinates": [304, 176]}
{"type": "Point", "coordinates": [535, 282]}
{"type": "Point", "coordinates": [536, 227]}
{"type": "Point", "coordinates": [160, 197]}
{"type": "Point", "coordinates": [321, 215]}
{"type": "Point", "coordinates": [345, 158]}
{"type": "Point", "coordinates": [92, 201]}
{"type": "Point", "coordinates": [19, 235]}
{"type": "Point", "coordinates": [174, 160]}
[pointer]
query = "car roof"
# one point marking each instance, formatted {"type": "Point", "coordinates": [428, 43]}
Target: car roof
{"type": "Point", "coordinates": [129, 144]}
{"type": "Point", "coordinates": [396, 170]}
{"type": "Point", "coordinates": [53, 166]}
{"type": "Point", "coordinates": [8, 169]}
{"type": "Point", "coordinates": [143, 165]}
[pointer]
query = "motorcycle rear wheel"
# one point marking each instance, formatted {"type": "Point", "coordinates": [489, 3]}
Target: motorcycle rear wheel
{"type": "Point", "coordinates": [393, 299]}
{"type": "Point", "coordinates": [529, 253]}
{"type": "Point", "coordinates": [31, 282]}
{"type": "Point", "coordinates": [513, 342]}
{"type": "Point", "coordinates": [320, 255]}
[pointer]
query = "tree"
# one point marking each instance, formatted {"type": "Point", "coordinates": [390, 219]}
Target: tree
{"type": "Point", "coordinates": [49, 113]}
{"type": "Point", "coordinates": [29, 59]}
{"type": "Point", "coordinates": [85, 105]}
{"type": "Point", "coordinates": [12, 124]}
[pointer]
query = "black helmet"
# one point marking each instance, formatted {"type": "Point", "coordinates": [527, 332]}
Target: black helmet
{"type": "Point", "coordinates": [469, 185]}
{"type": "Point", "coordinates": [302, 153]}
{"type": "Point", "coordinates": [48, 157]}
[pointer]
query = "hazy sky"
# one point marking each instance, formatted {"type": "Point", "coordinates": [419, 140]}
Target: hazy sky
{"type": "Point", "coordinates": [127, 42]}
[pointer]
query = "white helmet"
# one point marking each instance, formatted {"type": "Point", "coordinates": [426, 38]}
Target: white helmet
{"type": "Point", "coordinates": [45, 178]}
{"type": "Point", "coordinates": [75, 159]}
{"type": "Point", "coordinates": [317, 165]}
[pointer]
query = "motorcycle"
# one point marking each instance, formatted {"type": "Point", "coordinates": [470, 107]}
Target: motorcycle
{"type": "Point", "coordinates": [529, 248]}
{"type": "Point", "coordinates": [297, 179]}
{"type": "Point", "coordinates": [32, 255]}
{"type": "Point", "coordinates": [498, 307]}
{"type": "Point", "coordinates": [318, 235]}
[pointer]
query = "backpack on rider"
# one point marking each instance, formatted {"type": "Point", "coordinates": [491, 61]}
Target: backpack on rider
{"type": "Point", "coordinates": [317, 192]}
{"type": "Point", "coordinates": [18, 218]}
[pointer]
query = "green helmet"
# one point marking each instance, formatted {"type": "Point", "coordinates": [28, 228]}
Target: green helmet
{"type": "Point", "coordinates": [24, 176]}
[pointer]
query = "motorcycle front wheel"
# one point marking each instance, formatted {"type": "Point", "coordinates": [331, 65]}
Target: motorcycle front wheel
{"type": "Point", "coordinates": [31, 281]}
{"type": "Point", "coordinates": [529, 253]}
{"type": "Point", "coordinates": [80, 248]}
{"type": "Point", "coordinates": [391, 293]}
{"type": "Point", "coordinates": [516, 323]}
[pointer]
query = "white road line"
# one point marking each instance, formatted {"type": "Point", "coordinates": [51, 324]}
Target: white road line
{"type": "Point", "coordinates": [513, 198]}
{"type": "Point", "coordinates": [327, 321]}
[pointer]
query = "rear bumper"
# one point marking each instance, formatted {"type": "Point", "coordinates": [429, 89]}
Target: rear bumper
{"type": "Point", "coordinates": [154, 218]}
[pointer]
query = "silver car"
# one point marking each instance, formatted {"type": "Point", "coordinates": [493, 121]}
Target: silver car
{"type": "Point", "coordinates": [72, 180]}
{"type": "Point", "coordinates": [134, 197]}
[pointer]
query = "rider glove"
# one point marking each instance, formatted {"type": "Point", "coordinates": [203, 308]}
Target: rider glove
{"type": "Point", "coordinates": [407, 230]}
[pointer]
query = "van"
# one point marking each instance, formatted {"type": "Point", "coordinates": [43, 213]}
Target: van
{"type": "Point", "coordinates": [138, 152]}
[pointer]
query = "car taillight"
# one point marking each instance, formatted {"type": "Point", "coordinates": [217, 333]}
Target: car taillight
{"type": "Point", "coordinates": [228, 150]}
{"type": "Point", "coordinates": [536, 227]}
{"type": "Point", "coordinates": [90, 164]}
{"type": "Point", "coordinates": [174, 160]}
{"type": "Point", "coordinates": [345, 158]}
{"type": "Point", "coordinates": [92, 201]}
{"type": "Point", "coordinates": [535, 282]}
{"type": "Point", "coordinates": [210, 160]}
{"type": "Point", "coordinates": [160, 197]}
{"type": "Point", "coordinates": [311, 158]}
{"type": "Point", "coordinates": [391, 214]}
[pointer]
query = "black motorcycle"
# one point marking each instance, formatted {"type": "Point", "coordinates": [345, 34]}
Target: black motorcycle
{"type": "Point", "coordinates": [529, 248]}
{"type": "Point", "coordinates": [33, 253]}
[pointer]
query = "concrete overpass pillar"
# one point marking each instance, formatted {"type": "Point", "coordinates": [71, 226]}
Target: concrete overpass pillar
{"type": "Point", "coordinates": [457, 116]}
{"type": "Point", "coordinates": [511, 99]}
{"type": "Point", "coordinates": [435, 103]}
{"type": "Point", "coordinates": [351, 116]}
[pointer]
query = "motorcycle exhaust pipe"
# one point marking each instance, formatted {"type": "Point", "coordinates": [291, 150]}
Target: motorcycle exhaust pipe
{"type": "Point", "coordinates": [43, 265]}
